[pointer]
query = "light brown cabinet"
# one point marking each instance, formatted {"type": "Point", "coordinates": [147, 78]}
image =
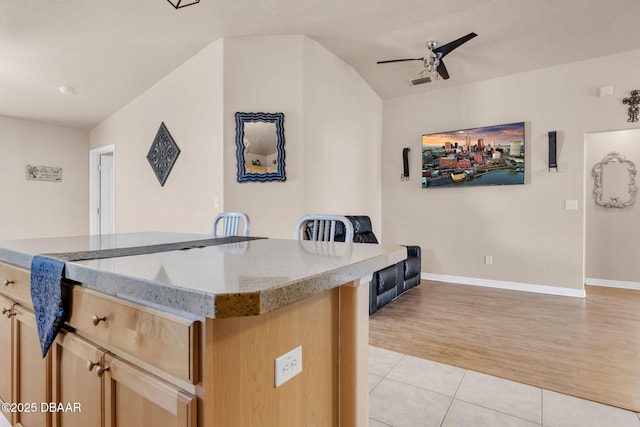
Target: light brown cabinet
{"type": "Point", "coordinates": [75, 381]}
{"type": "Point", "coordinates": [31, 372]}
{"type": "Point", "coordinates": [28, 383]}
{"type": "Point", "coordinates": [80, 383]}
{"type": "Point", "coordinates": [134, 398]}
{"type": "Point", "coordinates": [6, 336]}
{"type": "Point", "coordinates": [24, 374]}
{"type": "Point", "coordinates": [93, 387]}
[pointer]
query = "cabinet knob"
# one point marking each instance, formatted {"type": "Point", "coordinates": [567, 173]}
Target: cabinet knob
{"type": "Point", "coordinates": [91, 365]}
{"type": "Point", "coordinates": [98, 319]}
{"type": "Point", "coordinates": [101, 370]}
{"type": "Point", "coordinates": [6, 312]}
{"type": "Point", "coordinates": [8, 282]}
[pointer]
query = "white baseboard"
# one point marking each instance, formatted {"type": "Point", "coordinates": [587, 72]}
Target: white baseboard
{"type": "Point", "coordinates": [514, 286]}
{"type": "Point", "coordinates": [613, 283]}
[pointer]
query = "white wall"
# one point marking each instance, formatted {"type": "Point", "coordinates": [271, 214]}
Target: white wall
{"type": "Point", "coordinates": [264, 75]}
{"type": "Point", "coordinates": [43, 209]}
{"type": "Point", "coordinates": [190, 103]}
{"type": "Point", "coordinates": [612, 234]}
{"type": "Point", "coordinates": [343, 129]}
{"type": "Point", "coordinates": [332, 139]}
{"type": "Point", "coordinates": [532, 238]}
{"type": "Point", "coordinates": [332, 132]}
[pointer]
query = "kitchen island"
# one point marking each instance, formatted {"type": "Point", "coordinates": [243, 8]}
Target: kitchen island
{"type": "Point", "coordinates": [190, 337]}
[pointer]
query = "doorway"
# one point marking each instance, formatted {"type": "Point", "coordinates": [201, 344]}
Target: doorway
{"type": "Point", "coordinates": [102, 190]}
{"type": "Point", "coordinates": [612, 235]}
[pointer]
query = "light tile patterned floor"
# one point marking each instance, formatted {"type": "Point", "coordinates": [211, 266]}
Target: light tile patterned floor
{"type": "Point", "coordinates": [406, 391]}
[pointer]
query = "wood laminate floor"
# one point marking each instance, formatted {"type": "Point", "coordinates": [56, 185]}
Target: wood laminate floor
{"type": "Point", "coordinates": [588, 348]}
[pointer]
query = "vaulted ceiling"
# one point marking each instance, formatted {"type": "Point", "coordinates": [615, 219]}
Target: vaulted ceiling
{"type": "Point", "coordinates": [111, 51]}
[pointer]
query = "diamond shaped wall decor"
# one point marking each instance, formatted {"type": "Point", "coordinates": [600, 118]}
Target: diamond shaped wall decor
{"type": "Point", "coordinates": [163, 154]}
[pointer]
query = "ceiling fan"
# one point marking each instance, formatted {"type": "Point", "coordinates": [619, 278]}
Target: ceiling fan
{"type": "Point", "coordinates": [433, 64]}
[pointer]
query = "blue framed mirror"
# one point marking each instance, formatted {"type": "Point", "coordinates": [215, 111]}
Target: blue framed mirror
{"type": "Point", "coordinates": [260, 147]}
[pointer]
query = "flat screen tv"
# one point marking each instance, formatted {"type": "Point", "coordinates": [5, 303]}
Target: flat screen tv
{"type": "Point", "coordinates": [491, 155]}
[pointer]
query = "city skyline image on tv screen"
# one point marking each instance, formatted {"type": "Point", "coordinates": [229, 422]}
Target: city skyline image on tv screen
{"type": "Point", "coordinates": [490, 155]}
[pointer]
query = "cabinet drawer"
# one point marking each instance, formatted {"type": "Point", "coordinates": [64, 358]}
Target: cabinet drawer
{"type": "Point", "coordinates": [15, 283]}
{"type": "Point", "coordinates": [167, 342]}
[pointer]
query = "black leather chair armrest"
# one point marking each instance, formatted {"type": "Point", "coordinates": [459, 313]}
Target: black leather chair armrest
{"type": "Point", "coordinates": [387, 278]}
{"type": "Point", "coordinates": [413, 251]}
{"type": "Point", "coordinates": [412, 265]}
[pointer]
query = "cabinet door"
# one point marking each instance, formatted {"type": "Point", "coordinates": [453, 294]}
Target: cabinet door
{"type": "Point", "coordinates": [77, 385]}
{"type": "Point", "coordinates": [32, 372]}
{"type": "Point", "coordinates": [134, 398]}
{"type": "Point", "coordinates": [6, 337]}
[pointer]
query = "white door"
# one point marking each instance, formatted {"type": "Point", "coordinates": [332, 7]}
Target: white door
{"type": "Point", "coordinates": [105, 210]}
{"type": "Point", "coordinates": [102, 184]}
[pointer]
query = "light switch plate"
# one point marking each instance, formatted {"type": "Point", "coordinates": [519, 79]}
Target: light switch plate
{"type": "Point", "coordinates": [288, 366]}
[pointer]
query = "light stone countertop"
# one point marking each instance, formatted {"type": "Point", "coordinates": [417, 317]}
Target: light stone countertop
{"type": "Point", "coordinates": [231, 280]}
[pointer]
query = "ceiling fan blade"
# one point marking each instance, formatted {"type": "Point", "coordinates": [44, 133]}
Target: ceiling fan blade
{"type": "Point", "coordinates": [447, 48]}
{"type": "Point", "coordinates": [400, 60]}
{"type": "Point", "coordinates": [442, 70]}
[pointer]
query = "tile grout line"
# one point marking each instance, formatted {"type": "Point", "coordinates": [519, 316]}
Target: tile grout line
{"type": "Point", "coordinates": [379, 382]}
{"type": "Point", "coordinates": [541, 407]}
{"type": "Point", "coordinates": [498, 411]}
{"type": "Point", "coordinates": [394, 366]}
{"type": "Point", "coordinates": [453, 398]}
{"type": "Point", "coordinates": [493, 409]}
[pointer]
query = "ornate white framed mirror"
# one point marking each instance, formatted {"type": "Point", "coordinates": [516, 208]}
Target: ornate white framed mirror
{"type": "Point", "coordinates": [614, 181]}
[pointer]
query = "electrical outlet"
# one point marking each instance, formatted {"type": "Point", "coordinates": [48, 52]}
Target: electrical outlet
{"type": "Point", "coordinates": [488, 259]}
{"type": "Point", "coordinates": [571, 205]}
{"type": "Point", "coordinates": [288, 366]}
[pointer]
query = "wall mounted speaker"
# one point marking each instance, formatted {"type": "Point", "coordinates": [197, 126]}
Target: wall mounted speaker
{"type": "Point", "coordinates": [553, 157]}
{"type": "Point", "coordinates": [405, 164]}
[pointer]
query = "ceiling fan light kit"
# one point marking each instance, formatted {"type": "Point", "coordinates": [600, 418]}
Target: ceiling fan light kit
{"type": "Point", "coordinates": [433, 63]}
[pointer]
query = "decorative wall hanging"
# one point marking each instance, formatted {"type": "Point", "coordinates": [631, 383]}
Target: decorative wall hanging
{"type": "Point", "coordinates": [553, 154]}
{"type": "Point", "coordinates": [492, 155]}
{"type": "Point", "coordinates": [260, 147]}
{"type": "Point", "coordinates": [182, 3]}
{"type": "Point", "coordinates": [405, 164]}
{"type": "Point", "coordinates": [43, 173]}
{"type": "Point", "coordinates": [605, 174]}
{"type": "Point", "coordinates": [163, 154]}
{"type": "Point", "coordinates": [633, 101]}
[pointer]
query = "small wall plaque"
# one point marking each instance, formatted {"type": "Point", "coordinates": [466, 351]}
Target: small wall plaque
{"type": "Point", "coordinates": [43, 173]}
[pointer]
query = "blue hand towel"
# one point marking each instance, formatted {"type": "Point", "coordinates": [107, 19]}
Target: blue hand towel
{"type": "Point", "coordinates": [46, 294]}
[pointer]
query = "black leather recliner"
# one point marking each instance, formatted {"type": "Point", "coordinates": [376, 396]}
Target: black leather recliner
{"type": "Point", "coordinates": [389, 283]}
